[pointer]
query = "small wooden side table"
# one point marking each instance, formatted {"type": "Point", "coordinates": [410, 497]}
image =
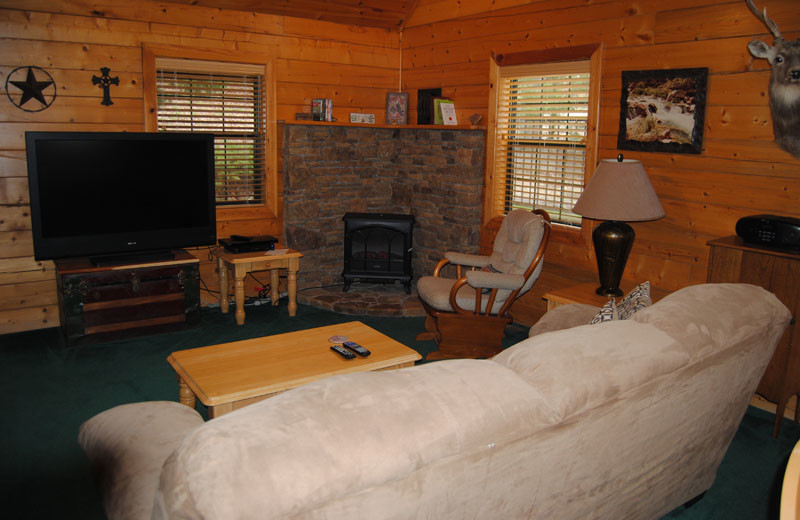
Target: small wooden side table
{"type": "Point", "coordinates": [585, 293]}
{"type": "Point", "coordinates": [242, 263]}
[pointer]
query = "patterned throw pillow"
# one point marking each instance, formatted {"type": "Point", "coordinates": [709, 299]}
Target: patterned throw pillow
{"type": "Point", "coordinates": [607, 313]}
{"type": "Point", "coordinates": [637, 299]}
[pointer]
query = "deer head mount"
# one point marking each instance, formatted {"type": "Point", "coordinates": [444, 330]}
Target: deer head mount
{"type": "Point", "coordinates": [784, 83]}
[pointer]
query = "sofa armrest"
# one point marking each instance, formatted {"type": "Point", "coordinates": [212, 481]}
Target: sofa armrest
{"type": "Point", "coordinates": [564, 317]}
{"type": "Point", "coordinates": [127, 446]}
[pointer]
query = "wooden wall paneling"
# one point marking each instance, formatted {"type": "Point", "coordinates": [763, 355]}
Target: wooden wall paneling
{"type": "Point", "coordinates": [291, 71]}
{"type": "Point", "coordinates": [20, 320]}
{"type": "Point", "coordinates": [13, 190]}
{"type": "Point", "coordinates": [724, 56]}
{"type": "Point", "coordinates": [455, 74]}
{"type": "Point", "coordinates": [720, 156]}
{"type": "Point", "coordinates": [344, 97]}
{"type": "Point", "coordinates": [16, 243]}
{"type": "Point", "coordinates": [70, 55]}
{"type": "Point", "coordinates": [12, 135]}
{"type": "Point", "coordinates": [15, 216]}
{"type": "Point", "coordinates": [543, 14]}
{"type": "Point", "coordinates": [431, 11]}
{"type": "Point", "coordinates": [753, 192]}
{"type": "Point", "coordinates": [740, 172]}
{"type": "Point", "coordinates": [323, 30]}
{"type": "Point", "coordinates": [28, 294]}
{"type": "Point", "coordinates": [84, 110]}
{"type": "Point", "coordinates": [72, 39]}
{"type": "Point", "coordinates": [25, 269]}
{"type": "Point", "coordinates": [724, 20]}
{"type": "Point", "coordinates": [480, 49]}
{"type": "Point", "coordinates": [375, 13]}
{"type": "Point", "coordinates": [202, 17]}
{"type": "Point", "coordinates": [772, 159]}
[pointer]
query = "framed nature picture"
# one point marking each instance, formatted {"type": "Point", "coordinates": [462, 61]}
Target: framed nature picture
{"type": "Point", "coordinates": [396, 108]}
{"type": "Point", "coordinates": [663, 110]}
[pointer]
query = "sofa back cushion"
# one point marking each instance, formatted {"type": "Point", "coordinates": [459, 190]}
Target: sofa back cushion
{"type": "Point", "coordinates": [576, 369]}
{"type": "Point", "coordinates": [709, 317]}
{"type": "Point", "coordinates": [579, 368]}
{"type": "Point", "coordinates": [344, 434]}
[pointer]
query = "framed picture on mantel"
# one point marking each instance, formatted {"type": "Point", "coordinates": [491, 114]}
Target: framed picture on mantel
{"type": "Point", "coordinates": [396, 108]}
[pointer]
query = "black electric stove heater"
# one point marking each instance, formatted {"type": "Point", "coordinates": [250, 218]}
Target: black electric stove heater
{"type": "Point", "coordinates": [377, 248]}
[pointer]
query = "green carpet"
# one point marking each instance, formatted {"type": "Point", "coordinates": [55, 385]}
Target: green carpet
{"type": "Point", "coordinates": [49, 390]}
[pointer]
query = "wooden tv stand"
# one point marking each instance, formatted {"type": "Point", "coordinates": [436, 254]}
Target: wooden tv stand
{"type": "Point", "coordinates": [109, 302]}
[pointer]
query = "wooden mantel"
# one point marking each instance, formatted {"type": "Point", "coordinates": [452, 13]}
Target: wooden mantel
{"type": "Point", "coordinates": [399, 127]}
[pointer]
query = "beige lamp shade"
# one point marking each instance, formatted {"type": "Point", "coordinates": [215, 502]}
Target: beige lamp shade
{"type": "Point", "coordinates": [621, 191]}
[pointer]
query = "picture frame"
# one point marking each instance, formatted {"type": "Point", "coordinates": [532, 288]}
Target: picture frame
{"type": "Point", "coordinates": [663, 110]}
{"type": "Point", "coordinates": [396, 108]}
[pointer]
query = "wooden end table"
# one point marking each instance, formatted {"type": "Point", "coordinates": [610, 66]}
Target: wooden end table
{"type": "Point", "coordinates": [229, 376]}
{"type": "Point", "coordinates": [242, 263]}
{"type": "Point", "coordinates": [585, 293]}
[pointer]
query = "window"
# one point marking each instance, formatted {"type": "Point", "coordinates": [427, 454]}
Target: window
{"type": "Point", "coordinates": [541, 134]}
{"type": "Point", "coordinates": [227, 100]}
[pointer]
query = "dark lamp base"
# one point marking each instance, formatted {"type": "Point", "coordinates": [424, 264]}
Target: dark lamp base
{"type": "Point", "coordinates": [612, 245]}
{"type": "Point", "coordinates": [608, 291]}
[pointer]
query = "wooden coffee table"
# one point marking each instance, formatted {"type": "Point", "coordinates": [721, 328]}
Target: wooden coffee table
{"type": "Point", "coordinates": [229, 376]}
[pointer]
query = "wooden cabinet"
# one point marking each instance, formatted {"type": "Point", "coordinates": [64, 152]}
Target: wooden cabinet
{"type": "Point", "coordinates": [101, 303]}
{"type": "Point", "coordinates": [733, 260]}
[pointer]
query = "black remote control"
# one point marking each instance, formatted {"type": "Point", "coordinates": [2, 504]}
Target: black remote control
{"type": "Point", "coordinates": [355, 347]}
{"type": "Point", "coordinates": [342, 351]}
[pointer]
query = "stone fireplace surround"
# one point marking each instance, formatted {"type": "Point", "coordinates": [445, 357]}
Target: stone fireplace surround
{"type": "Point", "coordinates": [435, 174]}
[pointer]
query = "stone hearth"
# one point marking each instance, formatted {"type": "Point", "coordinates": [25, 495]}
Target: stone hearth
{"type": "Point", "coordinates": [370, 299]}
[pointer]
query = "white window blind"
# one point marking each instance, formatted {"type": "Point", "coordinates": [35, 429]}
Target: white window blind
{"type": "Point", "coordinates": [540, 144]}
{"type": "Point", "coordinates": [227, 100]}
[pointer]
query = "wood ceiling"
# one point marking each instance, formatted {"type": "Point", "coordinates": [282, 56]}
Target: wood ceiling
{"type": "Point", "coordinates": [389, 14]}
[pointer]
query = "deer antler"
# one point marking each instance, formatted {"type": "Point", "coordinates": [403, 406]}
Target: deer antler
{"type": "Point", "coordinates": [773, 27]}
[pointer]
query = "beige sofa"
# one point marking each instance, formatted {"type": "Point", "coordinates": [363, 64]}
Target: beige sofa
{"type": "Point", "coordinates": [624, 419]}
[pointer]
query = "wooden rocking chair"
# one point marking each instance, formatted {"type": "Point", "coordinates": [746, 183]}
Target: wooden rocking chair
{"type": "Point", "coordinates": [467, 316]}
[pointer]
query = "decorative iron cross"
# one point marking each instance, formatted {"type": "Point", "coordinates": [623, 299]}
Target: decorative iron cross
{"type": "Point", "coordinates": [105, 81]}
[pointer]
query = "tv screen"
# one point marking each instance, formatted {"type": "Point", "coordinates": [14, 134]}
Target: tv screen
{"type": "Point", "coordinates": [119, 193]}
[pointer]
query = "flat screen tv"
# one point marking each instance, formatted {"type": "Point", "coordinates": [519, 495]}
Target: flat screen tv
{"type": "Point", "coordinates": [119, 197]}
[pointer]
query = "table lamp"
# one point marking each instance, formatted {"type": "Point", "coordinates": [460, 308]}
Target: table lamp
{"type": "Point", "coordinates": [618, 192]}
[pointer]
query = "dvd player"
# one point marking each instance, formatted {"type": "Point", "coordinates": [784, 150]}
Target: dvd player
{"type": "Point", "coordinates": [243, 244]}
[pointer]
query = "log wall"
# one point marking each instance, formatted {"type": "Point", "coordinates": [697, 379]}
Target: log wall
{"type": "Point", "coordinates": [740, 170]}
{"type": "Point", "coordinates": [72, 39]}
{"type": "Point", "coordinates": [444, 43]}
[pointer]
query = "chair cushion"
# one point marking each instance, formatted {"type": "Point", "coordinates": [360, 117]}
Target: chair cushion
{"type": "Point", "coordinates": [516, 244]}
{"type": "Point", "coordinates": [435, 291]}
{"type": "Point", "coordinates": [515, 247]}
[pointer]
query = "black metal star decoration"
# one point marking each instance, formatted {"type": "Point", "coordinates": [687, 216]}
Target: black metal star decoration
{"type": "Point", "coordinates": [31, 88]}
{"type": "Point", "coordinates": [105, 82]}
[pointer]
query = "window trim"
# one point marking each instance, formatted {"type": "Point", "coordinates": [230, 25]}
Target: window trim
{"type": "Point", "coordinates": [594, 53]}
{"type": "Point", "coordinates": [270, 209]}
